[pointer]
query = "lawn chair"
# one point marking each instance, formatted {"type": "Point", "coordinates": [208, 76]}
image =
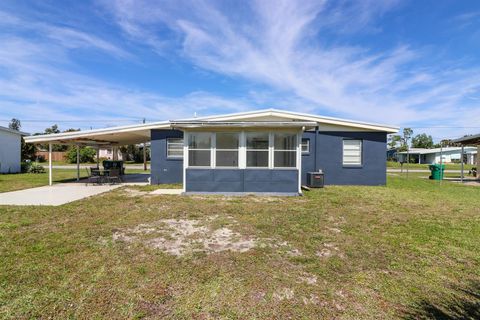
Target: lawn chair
{"type": "Point", "coordinates": [114, 176]}
{"type": "Point", "coordinates": [94, 176]}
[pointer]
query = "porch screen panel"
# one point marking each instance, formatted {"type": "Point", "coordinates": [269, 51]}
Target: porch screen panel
{"type": "Point", "coordinates": [257, 149]}
{"type": "Point", "coordinates": [227, 145]}
{"type": "Point", "coordinates": [199, 145]}
{"type": "Point", "coordinates": [285, 150]}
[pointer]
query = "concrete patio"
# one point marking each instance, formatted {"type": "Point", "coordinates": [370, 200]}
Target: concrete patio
{"type": "Point", "coordinates": [62, 193]}
{"type": "Point", "coordinates": [55, 195]}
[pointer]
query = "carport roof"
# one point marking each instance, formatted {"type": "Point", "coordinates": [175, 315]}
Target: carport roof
{"type": "Point", "coordinates": [140, 133]}
{"type": "Point", "coordinates": [123, 135]}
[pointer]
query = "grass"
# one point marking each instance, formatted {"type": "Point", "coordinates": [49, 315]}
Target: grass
{"type": "Point", "coordinates": [19, 181]}
{"type": "Point", "coordinates": [448, 166]}
{"type": "Point", "coordinates": [407, 250]}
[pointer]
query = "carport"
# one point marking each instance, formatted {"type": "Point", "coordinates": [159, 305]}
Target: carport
{"type": "Point", "coordinates": [98, 138]}
{"type": "Point", "coordinates": [473, 140]}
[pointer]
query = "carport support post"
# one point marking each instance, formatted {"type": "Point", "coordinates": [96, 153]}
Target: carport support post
{"type": "Point", "coordinates": [461, 157]}
{"type": "Point", "coordinates": [144, 156]}
{"type": "Point", "coordinates": [78, 162]}
{"type": "Point", "coordinates": [50, 182]}
{"type": "Point", "coordinates": [98, 157]}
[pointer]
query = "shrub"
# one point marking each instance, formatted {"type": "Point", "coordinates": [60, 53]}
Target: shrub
{"type": "Point", "coordinates": [87, 154]}
{"type": "Point", "coordinates": [29, 167]}
{"type": "Point", "coordinates": [36, 168]}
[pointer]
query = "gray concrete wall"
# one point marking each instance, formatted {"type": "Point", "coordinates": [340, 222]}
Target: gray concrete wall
{"type": "Point", "coordinates": [10, 152]}
{"type": "Point", "coordinates": [242, 180]}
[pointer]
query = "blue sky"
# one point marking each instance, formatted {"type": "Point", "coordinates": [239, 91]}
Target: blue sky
{"type": "Point", "coordinates": [85, 64]}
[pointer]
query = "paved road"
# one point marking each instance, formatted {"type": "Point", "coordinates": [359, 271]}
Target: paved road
{"type": "Point", "coordinates": [422, 170]}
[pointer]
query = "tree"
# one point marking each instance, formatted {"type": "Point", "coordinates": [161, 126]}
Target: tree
{"type": "Point", "coordinates": [15, 124]}
{"type": "Point", "coordinates": [394, 140]}
{"type": "Point", "coordinates": [87, 155]}
{"type": "Point", "coordinates": [422, 141]}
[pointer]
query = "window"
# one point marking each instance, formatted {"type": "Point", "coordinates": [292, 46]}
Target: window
{"type": "Point", "coordinates": [199, 145]}
{"type": "Point", "coordinates": [174, 148]}
{"type": "Point", "coordinates": [305, 146]}
{"type": "Point", "coordinates": [227, 149]}
{"type": "Point", "coordinates": [352, 152]}
{"type": "Point", "coordinates": [285, 150]}
{"type": "Point", "coordinates": [257, 149]}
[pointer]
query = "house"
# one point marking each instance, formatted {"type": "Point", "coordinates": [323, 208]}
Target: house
{"type": "Point", "coordinates": [109, 153]}
{"type": "Point", "coordinates": [472, 141]}
{"type": "Point", "coordinates": [432, 156]}
{"type": "Point", "coordinates": [10, 150]}
{"type": "Point", "coordinates": [266, 151]}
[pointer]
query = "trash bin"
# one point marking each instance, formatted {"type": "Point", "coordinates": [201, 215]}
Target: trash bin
{"type": "Point", "coordinates": [315, 179]}
{"type": "Point", "coordinates": [436, 171]}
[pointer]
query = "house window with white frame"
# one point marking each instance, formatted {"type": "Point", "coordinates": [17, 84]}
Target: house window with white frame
{"type": "Point", "coordinates": [199, 149]}
{"type": "Point", "coordinates": [285, 150]}
{"type": "Point", "coordinates": [257, 149]}
{"type": "Point", "coordinates": [175, 148]}
{"type": "Point", "coordinates": [226, 149]}
{"type": "Point", "coordinates": [305, 146]}
{"type": "Point", "coordinates": [352, 152]}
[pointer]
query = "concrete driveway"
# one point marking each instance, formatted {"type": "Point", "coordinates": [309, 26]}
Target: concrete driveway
{"type": "Point", "coordinates": [55, 195]}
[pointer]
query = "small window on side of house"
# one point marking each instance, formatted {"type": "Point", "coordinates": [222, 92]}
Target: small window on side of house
{"type": "Point", "coordinates": [175, 148]}
{"type": "Point", "coordinates": [352, 152]}
{"type": "Point", "coordinates": [305, 146]}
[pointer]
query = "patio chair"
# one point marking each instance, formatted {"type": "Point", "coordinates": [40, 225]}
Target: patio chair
{"type": "Point", "coordinates": [113, 176]}
{"type": "Point", "coordinates": [93, 176]}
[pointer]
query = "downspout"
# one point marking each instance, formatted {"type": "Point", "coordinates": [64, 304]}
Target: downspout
{"type": "Point", "coordinates": [316, 168]}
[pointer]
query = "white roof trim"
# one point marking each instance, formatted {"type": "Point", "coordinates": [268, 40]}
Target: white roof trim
{"type": "Point", "coordinates": [90, 133]}
{"type": "Point", "coordinates": [13, 131]}
{"type": "Point", "coordinates": [311, 120]}
{"type": "Point", "coordinates": [300, 116]}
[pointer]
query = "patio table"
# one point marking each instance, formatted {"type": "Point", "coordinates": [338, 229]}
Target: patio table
{"type": "Point", "coordinates": [102, 173]}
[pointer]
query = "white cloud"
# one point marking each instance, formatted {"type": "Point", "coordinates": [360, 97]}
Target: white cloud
{"type": "Point", "coordinates": [281, 44]}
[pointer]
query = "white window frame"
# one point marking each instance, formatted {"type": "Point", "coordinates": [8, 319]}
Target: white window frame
{"type": "Point", "coordinates": [272, 143]}
{"type": "Point", "coordinates": [237, 149]}
{"type": "Point", "coordinates": [175, 143]}
{"type": "Point", "coordinates": [360, 155]}
{"type": "Point", "coordinates": [269, 162]}
{"type": "Point", "coordinates": [211, 149]}
{"type": "Point", "coordinates": [308, 146]}
{"type": "Point", "coordinates": [242, 150]}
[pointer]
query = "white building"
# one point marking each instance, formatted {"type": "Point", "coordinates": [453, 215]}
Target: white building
{"type": "Point", "coordinates": [10, 150]}
{"type": "Point", "coordinates": [448, 155]}
{"type": "Point", "coordinates": [107, 153]}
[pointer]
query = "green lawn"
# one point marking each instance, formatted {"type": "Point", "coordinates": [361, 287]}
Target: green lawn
{"type": "Point", "coordinates": [12, 182]}
{"type": "Point", "coordinates": [407, 250]}
{"type": "Point", "coordinates": [448, 166]}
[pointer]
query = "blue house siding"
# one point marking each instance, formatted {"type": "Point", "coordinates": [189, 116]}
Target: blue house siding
{"type": "Point", "coordinates": [242, 180]}
{"type": "Point", "coordinates": [163, 169]}
{"type": "Point", "coordinates": [326, 152]}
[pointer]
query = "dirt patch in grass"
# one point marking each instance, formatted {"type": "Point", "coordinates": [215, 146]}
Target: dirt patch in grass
{"type": "Point", "coordinates": [179, 237]}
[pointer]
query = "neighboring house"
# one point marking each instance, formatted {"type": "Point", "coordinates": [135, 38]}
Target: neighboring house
{"type": "Point", "coordinates": [392, 154]}
{"type": "Point", "coordinates": [10, 150]}
{"type": "Point", "coordinates": [108, 153]}
{"type": "Point", "coordinates": [469, 142]}
{"type": "Point", "coordinates": [267, 151]}
{"type": "Point", "coordinates": [432, 156]}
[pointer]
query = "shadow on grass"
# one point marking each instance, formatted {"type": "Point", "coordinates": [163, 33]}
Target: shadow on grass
{"type": "Point", "coordinates": [465, 304]}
